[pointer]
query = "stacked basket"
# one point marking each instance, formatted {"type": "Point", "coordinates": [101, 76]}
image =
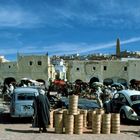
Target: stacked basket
{"type": "Point", "coordinates": [84, 112]}
{"type": "Point", "coordinates": [106, 123]}
{"type": "Point", "coordinates": [58, 122]}
{"type": "Point", "coordinates": [51, 119]}
{"type": "Point", "coordinates": [74, 120]}
{"type": "Point", "coordinates": [96, 123]}
{"type": "Point", "coordinates": [78, 125]}
{"type": "Point", "coordinates": [73, 105]}
{"type": "Point", "coordinates": [89, 118]}
{"type": "Point", "coordinates": [115, 123]}
{"type": "Point", "coordinates": [69, 127]}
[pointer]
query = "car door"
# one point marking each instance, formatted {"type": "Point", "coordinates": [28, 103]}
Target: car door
{"type": "Point", "coordinates": [119, 101]}
{"type": "Point", "coordinates": [122, 101]}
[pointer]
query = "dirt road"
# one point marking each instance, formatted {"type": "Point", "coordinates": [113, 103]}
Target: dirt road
{"type": "Point", "coordinates": [21, 130]}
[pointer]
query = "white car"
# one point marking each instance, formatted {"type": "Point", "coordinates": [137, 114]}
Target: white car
{"type": "Point", "coordinates": [127, 103]}
{"type": "Point", "coordinates": [22, 101]}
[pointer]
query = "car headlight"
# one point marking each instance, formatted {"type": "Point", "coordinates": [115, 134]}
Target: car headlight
{"type": "Point", "coordinates": [131, 111]}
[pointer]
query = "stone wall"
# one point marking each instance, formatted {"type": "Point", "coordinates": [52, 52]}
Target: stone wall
{"type": "Point", "coordinates": [33, 66]}
{"type": "Point", "coordinates": [116, 70]}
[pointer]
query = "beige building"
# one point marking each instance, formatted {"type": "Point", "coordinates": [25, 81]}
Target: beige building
{"type": "Point", "coordinates": [106, 70]}
{"type": "Point", "coordinates": [36, 67]}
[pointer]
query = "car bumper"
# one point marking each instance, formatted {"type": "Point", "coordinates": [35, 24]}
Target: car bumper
{"type": "Point", "coordinates": [134, 117]}
{"type": "Point", "coordinates": [18, 115]}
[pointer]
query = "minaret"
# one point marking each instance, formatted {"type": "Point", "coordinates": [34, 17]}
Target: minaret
{"type": "Point", "coordinates": [118, 52]}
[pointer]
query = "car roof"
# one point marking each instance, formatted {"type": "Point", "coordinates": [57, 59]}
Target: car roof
{"type": "Point", "coordinates": [35, 87]}
{"type": "Point", "coordinates": [25, 89]}
{"type": "Point", "coordinates": [130, 92]}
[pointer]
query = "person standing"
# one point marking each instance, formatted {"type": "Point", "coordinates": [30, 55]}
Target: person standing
{"type": "Point", "coordinates": [41, 117]}
{"type": "Point", "coordinates": [11, 88]}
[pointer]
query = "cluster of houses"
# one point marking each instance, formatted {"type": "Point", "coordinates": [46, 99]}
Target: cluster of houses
{"type": "Point", "coordinates": [42, 68]}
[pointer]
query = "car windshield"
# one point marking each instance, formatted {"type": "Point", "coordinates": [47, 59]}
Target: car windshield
{"type": "Point", "coordinates": [26, 96]}
{"type": "Point", "coordinates": [135, 98]}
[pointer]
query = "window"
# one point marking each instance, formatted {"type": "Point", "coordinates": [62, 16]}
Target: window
{"type": "Point", "coordinates": [94, 68]}
{"type": "Point", "coordinates": [135, 98]}
{"type": "Point", "coordinates": [125, 68]}
{"type": "Point", "coordinates": [77, 69]}
{"type": "Point", "coordinates": [30, 63]}
{"type": "Point", "coordinates": [39, 63]}
{"type": "Point", "coordinates": [122, 98]}
{"type": "Point", "coordinates": [26, 96]}
{"type": "Point", "coordinates": [105, 67]}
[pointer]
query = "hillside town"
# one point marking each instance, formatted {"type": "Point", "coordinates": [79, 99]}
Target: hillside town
{"type": "Point", "coordinates": [103, 84]}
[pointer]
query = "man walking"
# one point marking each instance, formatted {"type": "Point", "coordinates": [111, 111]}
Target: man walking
{"type": "Point", "coordinates": [41, 116]}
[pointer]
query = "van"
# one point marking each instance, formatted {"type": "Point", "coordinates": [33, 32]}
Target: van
{"type": "Point", "coordinates": [21, 104]}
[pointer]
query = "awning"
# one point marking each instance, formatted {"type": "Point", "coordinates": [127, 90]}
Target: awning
{"type": "Point", "coordinates": [59, 82]}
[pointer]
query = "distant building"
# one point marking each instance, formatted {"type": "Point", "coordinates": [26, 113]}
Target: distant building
{"type": "Point", "coordinates": [120, 67]}
{"type": "Point", "coordinates": [106, 70]}
{"type": "Point", "coordinates": [37, 67]}
{"type": "Point", "coordinates": [60, 69]}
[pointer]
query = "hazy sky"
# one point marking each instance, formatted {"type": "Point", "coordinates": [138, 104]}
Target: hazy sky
{"type": "Point", "coordinates": [68, 26]}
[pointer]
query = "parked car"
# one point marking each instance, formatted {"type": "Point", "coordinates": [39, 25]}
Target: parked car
{"type": "Point", "coordinates": [63, 102]}
{"type": "Point", "coordinates": [56, 102]}
{"type": "Point", "coordinates": [21, 102]}
{"type": "Point", "coordinates": [125, 102]}
{"type": "Point", "coordinates": [83, 103]}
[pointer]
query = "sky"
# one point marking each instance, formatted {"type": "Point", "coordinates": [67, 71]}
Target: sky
{"type": "Point", "coordinates": [64, 27]}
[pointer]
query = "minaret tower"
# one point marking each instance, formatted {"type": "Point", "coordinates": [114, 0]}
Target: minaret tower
{"type": "Point", "coordinates": [118, 52]}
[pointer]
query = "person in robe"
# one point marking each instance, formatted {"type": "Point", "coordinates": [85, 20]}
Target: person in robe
{"type": "Point", "coordinates": [41, 117]}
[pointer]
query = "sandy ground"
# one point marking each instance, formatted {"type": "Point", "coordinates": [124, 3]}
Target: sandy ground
{"type": "Point", "coordinates": [26, 132]}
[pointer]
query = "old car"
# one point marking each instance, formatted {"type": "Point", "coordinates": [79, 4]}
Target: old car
{"type": "Point", "coordinates": [83, 103]}
{"type": "Point", "coordinates": [21, 102]}
{"type": "Point", "coordinates": [125, 102]}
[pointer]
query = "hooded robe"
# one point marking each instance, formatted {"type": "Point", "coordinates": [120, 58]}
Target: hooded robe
{"type": "Point", "coordinates": [41, 117]}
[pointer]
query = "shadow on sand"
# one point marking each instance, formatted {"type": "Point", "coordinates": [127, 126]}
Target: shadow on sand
{"type": "Point", "coordinates": [21, 131]}
{"type": "Point", "coordinates": [26, 131]}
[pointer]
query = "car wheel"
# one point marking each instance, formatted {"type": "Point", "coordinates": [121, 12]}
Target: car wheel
{"type": "Point", "coordinates": [123, 117]}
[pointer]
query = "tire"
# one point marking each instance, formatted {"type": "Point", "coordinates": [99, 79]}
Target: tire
{"type": "Point", "coordinates": [123, 117]}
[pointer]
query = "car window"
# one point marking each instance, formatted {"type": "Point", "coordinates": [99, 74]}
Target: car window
{"type": "Point", "coordinates": [25, 96]}
{"type": "Point", "coordinates": [122, 98]}
{"type": "Point", "coordinates": [135, 98]}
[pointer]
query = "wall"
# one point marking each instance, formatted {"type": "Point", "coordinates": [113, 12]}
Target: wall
{"type": "Point", "coordinates": [115, 69]}
{"type": "Point", "coordinates": [33, 66]}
